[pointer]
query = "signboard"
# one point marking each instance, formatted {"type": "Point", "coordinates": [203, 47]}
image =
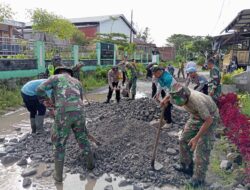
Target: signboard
{"type": "Point", "coordinates": [107, 51]}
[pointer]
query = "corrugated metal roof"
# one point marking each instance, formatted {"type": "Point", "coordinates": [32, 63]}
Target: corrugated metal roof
{"type": "Point", "coordinates": [240, 23]}
{"type": "Point", "coordinates": [96, 19]}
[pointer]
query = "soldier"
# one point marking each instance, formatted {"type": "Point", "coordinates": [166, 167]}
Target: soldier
{"type": "Point", "coordinates": [181, 69]}
{"type": "Point", "coordinates": [201, 83]}
{"type": "Point", "coordinates": [131, 75]}
{"type": "Point", "coordinates": [122, 66]}
{"type": "Point", "coordinates": [170, 69]}
{"type": "Point", "coordinates": [214, 83]}
{"type": "Point", "coordinates": [165, 81]}
{"type": "Point", "coordinates": [198, 134]}
{"type": "Point", "coordinates": [69, 114]}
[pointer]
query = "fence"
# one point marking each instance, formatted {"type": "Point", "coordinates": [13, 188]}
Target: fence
{"type": "Point", "coordinates": [22, 58]}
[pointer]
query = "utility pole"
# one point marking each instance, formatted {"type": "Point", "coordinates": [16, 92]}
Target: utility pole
{"type": "Point", "coordinates": [131, 28]}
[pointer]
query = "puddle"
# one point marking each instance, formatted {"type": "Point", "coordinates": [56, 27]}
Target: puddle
{"type": "Point", "coordinates": [12, 120]}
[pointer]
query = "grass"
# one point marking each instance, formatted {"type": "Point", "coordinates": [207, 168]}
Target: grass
{"type": "Point", "coordinates": [9, 98]}
{"type": "Point", "coordinates": [221, 148]}
{"type": "Point", "coordinates": [90, 82]}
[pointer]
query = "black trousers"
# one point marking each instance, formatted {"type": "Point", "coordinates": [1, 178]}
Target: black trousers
{"type": "Point", "coordinates": [33, 105]}
{"type": "Point", "coordinates": [154, 90]}
{"type": "Point", "coordinates": [204, 90]}
{"type": "Point", "coordinates": [118, 96]}
{"type": "Point", "coordinates": [123, 77]}
{"type": "Point", "coordinates": [167, 113]}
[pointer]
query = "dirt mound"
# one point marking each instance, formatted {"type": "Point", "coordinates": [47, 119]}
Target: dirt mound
{"type": "Point", "coordinates": [127, 143]}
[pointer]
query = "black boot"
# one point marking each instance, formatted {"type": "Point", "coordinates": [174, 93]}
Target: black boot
{"type": "Point", "coordinates": [185, 169]}
{"type": "Point", "coordinates": [90, 161]}
{"type": "Point", "coordinates": [33, 124]}
{"type": "Point", "coordinates": [107, 102]}
{"type": "Point", "coordinates": [58, 173]}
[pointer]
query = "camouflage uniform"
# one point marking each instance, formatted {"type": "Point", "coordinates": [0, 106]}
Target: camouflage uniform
{"type": "Point", "coordinates": [69, 113]}
{"type": "Point", "coordinates": [214, 83]}
{"type": "Point", "coordinates": [131, 75]}
{"type": "Point", "coordinates": [200, 106]}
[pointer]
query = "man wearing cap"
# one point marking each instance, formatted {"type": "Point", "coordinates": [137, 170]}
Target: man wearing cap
{"type": "Point", "coordinates": [114, 77]}
{"type": "Point", "coordinates": [69, 114]}
{"type": "Point", "coordinates": [201, 83]}
{"type": "Point", "coordinates": [198, 134]}
{"type": "Point", "coordinates": [131, 75]}
{"type": "Point", "coordinates": [165, 81]}
{"type": "Point", "coordinates": [214, 83]}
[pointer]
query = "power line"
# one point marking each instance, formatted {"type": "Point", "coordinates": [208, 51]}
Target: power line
{"type": "Point", "coordinates": [219, 16]}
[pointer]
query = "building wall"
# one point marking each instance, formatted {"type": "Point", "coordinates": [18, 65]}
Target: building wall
{"type": "Point", "coordinates": [90, 32]}
{"type": "Point", "coordinates": [119, 26]}
{"type": "Point", "coordinates": [167, 53]}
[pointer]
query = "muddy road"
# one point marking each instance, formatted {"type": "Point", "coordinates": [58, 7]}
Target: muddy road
{"type": "Point", "coordinates": [133, 131]}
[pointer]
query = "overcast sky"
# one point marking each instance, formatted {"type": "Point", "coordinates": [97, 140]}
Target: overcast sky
{"type": "Point", "coordinates": [163, 17]}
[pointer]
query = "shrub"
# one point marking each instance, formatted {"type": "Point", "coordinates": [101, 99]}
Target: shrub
{"type": "Point", "coordinates": [201, 60]}
{"type": "Point", "coordinates": [228, 78]}
{"type": "Point", "coordinates": [237, 126]}
{"type": "Point", "coordinates": [9, 98]}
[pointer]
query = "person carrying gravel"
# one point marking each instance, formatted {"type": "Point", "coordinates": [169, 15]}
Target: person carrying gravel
{"type": "Point", "coordinates": [201, 83]}
{"type": "Point", "coordinates": [165, 81]}
{"type": "Point", "coordinates": [214, 83]}
{"type": "Point", "coordinates": [37, 110]}
{"type": "Point", "coordinates": [197, 137]}
{"type": "Point", "coordinates": [114, 77]}
{"type": "Point", "coordinates": [69, 114]}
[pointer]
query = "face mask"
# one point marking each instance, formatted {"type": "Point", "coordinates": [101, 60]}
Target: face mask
{"type": "Point", "coordinates": [179, 101]}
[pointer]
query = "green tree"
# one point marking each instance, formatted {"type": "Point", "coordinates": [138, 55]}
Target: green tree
{"type": "Point", "coordinates": [190, 45]}
{"type": "Point", "coordinates": [6, 12]}
{"type": "Point", "coordinates": [114, 38]}
{"type": "Point", "coordinates": [146, 36]}
{"type": "Point", "coordinates": [179, 41]}
{"type": "Point", "coordinates": [54, 25]}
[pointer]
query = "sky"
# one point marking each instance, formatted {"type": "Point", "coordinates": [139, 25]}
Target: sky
{"type": "Point", "coordinates": [163, 17]}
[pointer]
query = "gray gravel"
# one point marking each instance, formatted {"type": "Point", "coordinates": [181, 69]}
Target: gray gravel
{"type": "Point", "coordinates": [127, 141]}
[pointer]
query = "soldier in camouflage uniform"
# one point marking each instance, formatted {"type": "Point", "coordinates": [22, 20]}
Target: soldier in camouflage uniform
{"type": "Point", "coordinates": [69, 114]}
{"type": "Point", "coordinates": [131, 75]}
{"type": "Point", "coordinates": [198, 134]}
{"type": "Point", "coordinates": [214, 83]}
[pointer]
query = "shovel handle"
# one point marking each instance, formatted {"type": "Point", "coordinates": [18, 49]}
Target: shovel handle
{"type": "Point", "coordinates": [158, 136]}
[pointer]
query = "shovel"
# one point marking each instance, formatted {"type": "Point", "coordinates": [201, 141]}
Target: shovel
{"type": "Point", "coordinates": [154, 164]}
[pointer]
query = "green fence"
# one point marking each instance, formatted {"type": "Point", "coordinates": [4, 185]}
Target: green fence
{"type": "Point", "coordinates": [41, 54]}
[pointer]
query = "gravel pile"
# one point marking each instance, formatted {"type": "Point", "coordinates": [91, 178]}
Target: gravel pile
{"type": "Point", "coordinates": [127, 141]}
